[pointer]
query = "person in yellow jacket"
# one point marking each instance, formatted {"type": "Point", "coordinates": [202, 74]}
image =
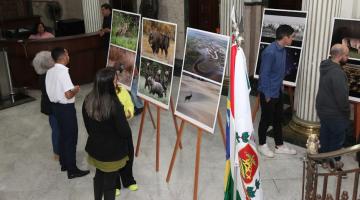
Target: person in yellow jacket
{"type": "Point", "coordinates": [126, 101]}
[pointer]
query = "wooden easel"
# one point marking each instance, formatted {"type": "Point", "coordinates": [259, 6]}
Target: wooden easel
{"type": "Point", "coordinates": [157, 127]}
{"type": "Point", "coordinates": [198, 148]}
{"type": "Point", "coordinates": [356, 120]}
{"type": "Point", "coordinates": [290, 91]}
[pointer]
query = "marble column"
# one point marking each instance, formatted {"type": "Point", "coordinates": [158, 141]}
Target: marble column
{"type": "Point", "coordinates": [92, 15]}
{"type": "Point", "coordinates": [316, 48]}
{"type": "Point", "coordinates": [226, 27]}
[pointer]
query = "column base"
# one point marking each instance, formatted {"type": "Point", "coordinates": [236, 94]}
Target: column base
{"type": "Point", "coordinates": [299, 130]}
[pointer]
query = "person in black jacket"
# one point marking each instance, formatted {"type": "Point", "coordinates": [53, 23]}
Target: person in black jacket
{"type": "Point", "coordinates": [108, 144]}
{"type": "Point", "coordinates": [42, 62]}
{"type": "Point", "coordinates": [332, 102]}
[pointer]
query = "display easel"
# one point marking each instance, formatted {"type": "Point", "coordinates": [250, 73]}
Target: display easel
{"type": "Point", "coordinates": [290, 91]}
{"type": "Point", "coordinates": [157, 127]}
{"type": "Point", "coordinates": [356, 120]}
{"type": "Point", "coordinates": [198, 148]}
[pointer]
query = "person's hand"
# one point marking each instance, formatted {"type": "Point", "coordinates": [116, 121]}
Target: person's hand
{"type": "Point", "coordinates": [101, 33]}
{"type": "Point", "coordinates": [76, 89]}
{"type": "Point", "coordinates": [267, 99]}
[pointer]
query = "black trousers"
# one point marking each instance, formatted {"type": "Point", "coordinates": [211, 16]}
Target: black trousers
{"type": "Point", "coordinates": [65, 115]}
{"type": "Point", "coordinates": [104, 185]}
{"type": "Point", "coordinates": [271, 114]}
{"type": "Point", "coordinates": [126, 173]}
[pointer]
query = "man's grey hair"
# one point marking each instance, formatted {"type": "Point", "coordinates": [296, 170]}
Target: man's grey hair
{"type": "Point", "coordinates": [42, 62]}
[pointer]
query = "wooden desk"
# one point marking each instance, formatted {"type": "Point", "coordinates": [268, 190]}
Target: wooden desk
{"type": "Point", "coordinates": [85, 50]}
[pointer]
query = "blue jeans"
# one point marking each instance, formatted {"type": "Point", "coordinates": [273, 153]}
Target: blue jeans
{"type": "Point", "coordinates": [332, 134]}
{"type": "Point", "coordinates": [54, 133]}
{"type": "Point", "coordinates": [136, 100]}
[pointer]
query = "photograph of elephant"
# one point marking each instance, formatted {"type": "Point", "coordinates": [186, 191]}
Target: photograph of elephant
{"type": "Point", "coordinates": [155, 82]}
{"type": "Point", "coordinates": [124, 61]}
{"type": "Point", "coordinates": [347, 32]}
{"type": "Point", "coordinates": [125, 29]}
{"type": "Point", "coordinates": [198, 101]}
{"type": "Point", "coordinates": [206, 54]}
{"type": "Point", "coordinates": [158, 41]}
{"type": "Point", "coordinates": [291, 66]}
{"type": "Point", "coordinates": [273, 18]}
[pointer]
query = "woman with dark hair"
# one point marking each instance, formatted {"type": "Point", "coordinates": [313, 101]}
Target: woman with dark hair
{"type": "Point", "coordinates": [109, 135]}
{"type": "Point", "coordinates": [40, 32]}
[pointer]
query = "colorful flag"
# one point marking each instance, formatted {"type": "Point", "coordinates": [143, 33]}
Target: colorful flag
{"type": "Point", "coordinates": [242, 179]}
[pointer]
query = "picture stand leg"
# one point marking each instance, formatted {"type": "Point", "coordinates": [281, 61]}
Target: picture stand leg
{"type": "Point", "coordinates": [177, 144]}
{"type": "Point", "coordinates": [158, 139]}
{"type": "Point", "coordinates": [174, 118]}
{"type": "Point", "coordinates": [256, 107]}
{"type": "Point", "coordinates": [197, 164]}
{"type": "Point", "coordinates": [151, 117]}
{"type": "Point", "coordinates": [290, 91]}
{"type": "Point", "coordinates": [222, 130]}
{"type": "Point", "coordinates": [356, 120]}
{"type": "Point", "coordinates": [146, 104]}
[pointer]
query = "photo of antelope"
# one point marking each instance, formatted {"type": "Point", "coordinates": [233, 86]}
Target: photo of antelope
{"type": "Point", "coordinates": [206, 54]}
{"type": "Point", "coordinates": [198, 101]}
{"type": "Point", "coordinates": [125, 29]}
{"type": "Point", "coordinates": [155, 82]}
{"type": "Point", "coordinates": [347, 32]}
{"type": "Point", "coordinates": [158, 41]}
{"type": "Point", "coordinates": [123, 61]}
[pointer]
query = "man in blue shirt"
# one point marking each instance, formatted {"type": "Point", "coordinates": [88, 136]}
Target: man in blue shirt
{"type": "Point", "coordinates": [272, 73]}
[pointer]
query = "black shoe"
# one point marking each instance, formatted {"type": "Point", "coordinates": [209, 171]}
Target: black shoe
{"type": "Point", "coordinates": [77, 173]}
{"type": "Point", "coordinates": [138, 111]}
{"type": "Point", "coordinates": [63, 168]}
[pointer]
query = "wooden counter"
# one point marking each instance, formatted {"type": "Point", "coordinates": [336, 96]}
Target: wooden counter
{"type": "Point", "coordinates": [86, 57]}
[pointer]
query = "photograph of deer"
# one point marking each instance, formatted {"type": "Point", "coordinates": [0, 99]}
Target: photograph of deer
{"type": "Point", "coordinates": [125, 29]}
{"type": "Point", "coordinates": [158, 41]}
{"type": "Point", "coordinates": [155, 82]}
{"type": "Point", "coordinates": [198, 101]}
{"type": "Point", "coordinates": [124, 61]}
{"type": "Point", "coordinates": [205, 54]}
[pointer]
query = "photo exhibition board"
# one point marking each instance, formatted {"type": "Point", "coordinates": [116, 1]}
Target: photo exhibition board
{"type": "Point", "coordinates": [347, 32]}
{"type": "Point", "coordinates": [202, 75]}
{"type": "Point", "coordinates": [272, 19]}
{"type": "Point", "coordinates": [158, 47]}
{"type": "Point", "coordinates": [123, 46]}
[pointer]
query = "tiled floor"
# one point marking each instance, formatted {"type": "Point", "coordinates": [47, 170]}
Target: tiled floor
{"type": "Point", "coordinates": [27, 171]}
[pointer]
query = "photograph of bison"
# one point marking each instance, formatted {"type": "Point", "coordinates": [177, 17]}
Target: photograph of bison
{"type": "Point", "coordinates": [155, 82]}
{"type": "Point", "coordinates": [125, 29]}
{"type": "Point", "coordinates": [124, 61]}
{"type": "Point", "coordinates": [347, 32]}
{"type": "Point", "coordinates": [158, 41]}
{"type": "Point", "coordinates": [206, 54]}
{"type": "Point", "coordinates": [198, 101]}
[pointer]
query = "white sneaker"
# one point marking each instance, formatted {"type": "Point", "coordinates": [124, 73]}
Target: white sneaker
{"type": "Point", "coordinates": [283, 149]}
{"type": "Point", "coordinates": [264, 150]}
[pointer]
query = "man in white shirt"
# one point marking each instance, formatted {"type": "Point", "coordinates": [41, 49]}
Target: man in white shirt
{"type": "Point", "coordinates": [61, 92]}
